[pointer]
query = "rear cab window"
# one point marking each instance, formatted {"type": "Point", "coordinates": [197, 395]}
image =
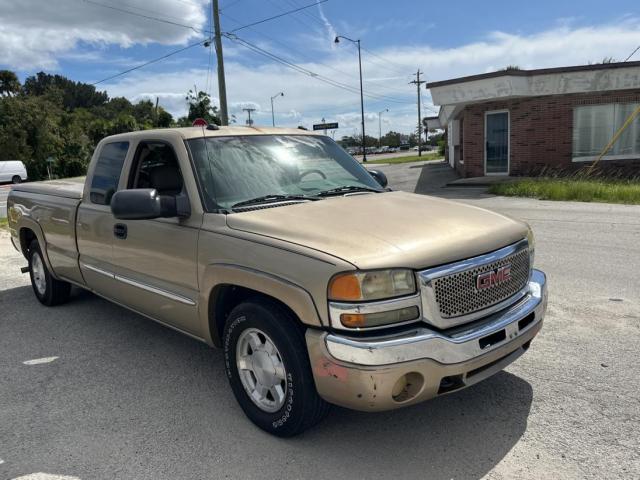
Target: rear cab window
{"type": "Point", "coordinates": [106, 174]}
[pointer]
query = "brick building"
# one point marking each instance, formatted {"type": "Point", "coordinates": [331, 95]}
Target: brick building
{"type": "Point", "coordinates": [520, 122]}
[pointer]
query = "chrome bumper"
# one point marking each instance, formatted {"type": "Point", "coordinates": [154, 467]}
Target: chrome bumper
{"type": "Point", "coordinates": [368, 373]}
{"type": "Point", "coordinates": [462, 345]}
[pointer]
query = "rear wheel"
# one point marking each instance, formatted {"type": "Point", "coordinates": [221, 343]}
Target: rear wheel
{"type": "Point", "coordinates": [16, 179]}
{"type": "Point", "coordinates": [48, 290]}
{"type": "Point", "coordinates": [268, 368]}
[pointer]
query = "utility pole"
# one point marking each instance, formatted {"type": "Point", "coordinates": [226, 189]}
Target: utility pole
{"type": "Point", "coordinates": [222, 85]}
{"type": "Point", "coordinates": [249, 110]}
{"type": "Point", "coordinates": [417, 83]}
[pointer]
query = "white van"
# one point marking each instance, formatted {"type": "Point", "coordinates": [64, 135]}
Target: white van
{"type": "Point", "coordinates": [12, 171]}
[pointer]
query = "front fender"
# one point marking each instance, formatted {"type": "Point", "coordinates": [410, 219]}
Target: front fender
{"type": "Point", "coordinates": [295, 297]}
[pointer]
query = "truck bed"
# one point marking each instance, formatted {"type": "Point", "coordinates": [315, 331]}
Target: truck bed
{"type": "Point", "coordinates": [67, 188]}
{"type": "Point", "coordinates": [49, 209]}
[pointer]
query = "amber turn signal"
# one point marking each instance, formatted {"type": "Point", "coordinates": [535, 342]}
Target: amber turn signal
{"type": "Point", "coordinates": [353, 320]}
{"type": "Point", "coordinates": [345, 287]}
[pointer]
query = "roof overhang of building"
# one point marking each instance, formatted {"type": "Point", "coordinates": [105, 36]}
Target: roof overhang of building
{"type": "Point", "coordinates": [453, 95]}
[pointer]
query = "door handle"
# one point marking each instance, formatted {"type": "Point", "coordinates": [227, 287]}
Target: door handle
{"type": "Point", "coordinates": [120, 230]}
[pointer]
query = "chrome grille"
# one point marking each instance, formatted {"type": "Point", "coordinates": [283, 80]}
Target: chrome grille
{"type": "Point", "coordinates": [457, 294]}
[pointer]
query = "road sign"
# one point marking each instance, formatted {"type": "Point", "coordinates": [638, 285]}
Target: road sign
{"type": "Point", "coordinates": [325, 126]}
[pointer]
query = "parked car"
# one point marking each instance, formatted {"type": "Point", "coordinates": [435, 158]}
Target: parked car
{"type": "Point", "coordinates": [321, 285]}
{"type": "Point", "coordinates": [12, 171]}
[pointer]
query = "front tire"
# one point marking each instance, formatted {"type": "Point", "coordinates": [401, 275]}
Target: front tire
{"type": "Point", "coordinates": [267, 365]}
{"type": "Point", "coordinates": [48, 290]}
{"type": "Point", "coordinates": [16, 179]}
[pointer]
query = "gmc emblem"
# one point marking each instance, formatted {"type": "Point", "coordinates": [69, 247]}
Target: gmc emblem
{"type": "Point", "coordinates": [493, 278]}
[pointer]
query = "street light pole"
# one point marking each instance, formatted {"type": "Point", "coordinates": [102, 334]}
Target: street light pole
{"type": "Point", "coordinates": [364, 141]}
{"type": "Point", "coordinates": [273, 117]}
{"type": "Point", "coordinates": [380, 126]}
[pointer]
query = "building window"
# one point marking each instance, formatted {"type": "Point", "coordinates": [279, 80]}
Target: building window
{"type": "Point", "coordinates": [595, 125]}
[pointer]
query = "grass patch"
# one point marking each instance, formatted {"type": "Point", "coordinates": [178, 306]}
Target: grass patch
{"type": "Point", "coordinates": [408, 159]}
{"type": "Point", "coordinates": [4, 223]}
{"type": "Point", "coordinates": [574, 189]}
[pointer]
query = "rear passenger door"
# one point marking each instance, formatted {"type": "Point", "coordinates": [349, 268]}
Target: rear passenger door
{"type": "Point", "coordinates": [156, 260]}
{"type": "Point", "coordinates": [94, 223]}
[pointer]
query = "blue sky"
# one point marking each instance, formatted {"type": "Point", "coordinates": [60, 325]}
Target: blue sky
{"type": "Point", "coordinates": [89, 40]}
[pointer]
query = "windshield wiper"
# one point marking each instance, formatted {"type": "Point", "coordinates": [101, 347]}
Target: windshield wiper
{"type": "Point", "coordinates": [271, 198]}
{"type": "Point", "coordinates": [347, 189]}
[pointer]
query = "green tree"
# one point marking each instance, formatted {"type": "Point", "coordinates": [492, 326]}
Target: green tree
{"type": "Point", "coordinates": [9, 83]}
{"type": "Point", "coordinates": [75, 94]}
{"type": "Point", "coordinates": [391, 139]}
{"type": "Point", "coordinates": [200, 107]}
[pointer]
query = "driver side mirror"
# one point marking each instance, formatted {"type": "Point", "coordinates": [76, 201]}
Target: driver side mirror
{"type": "Point", "coordinates": [379, 177]}
{"type": "Point", "coordinates": [146, 204]}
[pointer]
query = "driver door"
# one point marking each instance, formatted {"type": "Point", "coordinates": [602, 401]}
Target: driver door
{"type": "Point", "coordinates": [155, 261]}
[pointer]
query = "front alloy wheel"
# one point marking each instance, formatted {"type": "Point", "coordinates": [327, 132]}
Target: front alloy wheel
{"type": "Point", "coordinates": [261, 370]}
{"type": "Point", "coordinates": [267, 365]}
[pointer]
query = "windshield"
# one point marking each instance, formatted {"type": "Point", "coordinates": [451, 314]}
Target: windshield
{"type": "Point", "coordinates": [240, 168]}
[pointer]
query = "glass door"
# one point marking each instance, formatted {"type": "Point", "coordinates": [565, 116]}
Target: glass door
{"type": "Point", "coordinates": [497, 143]}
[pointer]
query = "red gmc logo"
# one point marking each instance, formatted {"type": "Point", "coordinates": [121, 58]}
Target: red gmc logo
{"type": "Point", "coordinates": [493, 278]}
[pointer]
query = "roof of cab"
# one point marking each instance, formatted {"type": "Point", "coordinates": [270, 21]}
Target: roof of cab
{"type": "Point", "coordinates": [199, 132]}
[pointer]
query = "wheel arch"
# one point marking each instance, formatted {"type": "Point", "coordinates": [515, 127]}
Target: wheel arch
{"type": "Point", "coordinates": [29, 230]}
{"type": "Point", "coordinates": [225, 286]}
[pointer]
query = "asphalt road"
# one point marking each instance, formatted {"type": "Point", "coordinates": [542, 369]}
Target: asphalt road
{"type": "Point", "coordinates": [126, 398]}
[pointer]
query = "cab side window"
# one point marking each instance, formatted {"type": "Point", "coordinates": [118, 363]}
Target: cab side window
{"type": "Point", "coordinates": [156, 166]}
{"type": "Point", "coordinates": [107, 172]}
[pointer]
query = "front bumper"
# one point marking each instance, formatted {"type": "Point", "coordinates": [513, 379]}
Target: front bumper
{"type": "Point", "coordinates": [392, 371]}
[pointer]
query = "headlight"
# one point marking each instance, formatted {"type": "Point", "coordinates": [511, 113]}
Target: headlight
{"type": "Point", "coordinates": [372, 285]}
{"type": "Point", "coordinates": [532, 246]}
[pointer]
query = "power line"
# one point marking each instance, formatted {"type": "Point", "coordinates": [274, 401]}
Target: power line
{"type": "Point", "coordinates": [277, 16]}
{"type": "Point", "coordinates": [401, 69]}
{"type": "Point", "coordinates": [632, 54]}
{"type": "Point", "coordinates": [155, 60]}
{"type": "Point", "coordinates": [306, 57]}
{"type": "Point", "coordinates": [191, 27]}
{"type": "Point", "coordinates": [306, 14]}
{"type": "Point", "coordinates": [306, 71]}
{"type": "Point", "coordinates": [148, 17]}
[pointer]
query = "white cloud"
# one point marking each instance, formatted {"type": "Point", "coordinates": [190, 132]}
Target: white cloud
{"type": "Point", "coordinates": [35, 33]}
{"type": "Point", "coordinates": [308, 100]}
{"type": "Point", "coordinates": [331, 32]}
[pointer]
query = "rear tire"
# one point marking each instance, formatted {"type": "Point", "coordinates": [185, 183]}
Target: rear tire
{"type": "Point", "coordinates": [16, 179]}
{"type": "Point", "coordinates": [48, 290]}
{"type": "Point", "coordinates": [267, 365]}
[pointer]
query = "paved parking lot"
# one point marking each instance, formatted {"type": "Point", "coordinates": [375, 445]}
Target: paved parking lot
{"type": "Point", "coordinates": [126, 398]}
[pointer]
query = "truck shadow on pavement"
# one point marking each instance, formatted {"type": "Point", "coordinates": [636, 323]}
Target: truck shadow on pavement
{"type": "Point", "coordinates": [129, 398]}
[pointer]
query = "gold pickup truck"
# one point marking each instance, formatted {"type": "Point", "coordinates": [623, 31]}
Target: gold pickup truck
{"type": "Point", "coordinates": [321, 285]}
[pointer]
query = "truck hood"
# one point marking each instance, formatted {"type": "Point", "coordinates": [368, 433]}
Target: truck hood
{"type": "Point", "coordinates": [391, 229]}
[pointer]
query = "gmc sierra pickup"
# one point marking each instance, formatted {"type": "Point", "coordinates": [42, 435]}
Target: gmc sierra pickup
{"type": "Point", "coordinates": [321, 285]}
